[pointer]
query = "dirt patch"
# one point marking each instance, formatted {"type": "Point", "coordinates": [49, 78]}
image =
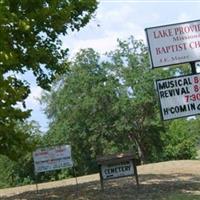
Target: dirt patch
{"type": "Point", "coordinates": [157, 181]}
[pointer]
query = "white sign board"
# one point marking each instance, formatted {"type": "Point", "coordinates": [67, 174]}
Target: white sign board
{"type": "Point", "coordinates": [179, 97]}
{"type": "Point", "coordinates": [117, 170]}
{"type": "Point", "coordinates": [52, 158]}
{"type": "Point", "coordinates": [174, 44]}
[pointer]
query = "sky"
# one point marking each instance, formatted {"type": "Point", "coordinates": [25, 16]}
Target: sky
{"type": "Point", "coordinates": [115, 19]}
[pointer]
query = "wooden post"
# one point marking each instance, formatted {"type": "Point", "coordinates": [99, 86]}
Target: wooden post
{"type": "Point", "coordinates": [76, 180]}
{"type": "Point", "coordinates": [116, 160]}
{"type": "Point", "coordinates": [135, 173]}
{"type": "Point", "coordinates": [36, 182]}
{"type": "Point", "coordinates": [101, 178]}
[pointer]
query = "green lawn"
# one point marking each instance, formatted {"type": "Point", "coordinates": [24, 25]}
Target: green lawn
{"type": "Point", "coordinates": [182, 197]}
{"type": "Point", "coordinates": [176, 180]}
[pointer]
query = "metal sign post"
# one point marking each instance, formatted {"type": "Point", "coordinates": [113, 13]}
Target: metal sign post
{"type": "Point", "coordinates": [193, 67]}
{"type": "Point", "coordinates": [36, 183]}
{"type": "Point", "coordinates": [74, 170]}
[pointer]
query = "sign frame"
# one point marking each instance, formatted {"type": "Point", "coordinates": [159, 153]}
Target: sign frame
{"type": "Point", "coordinates": [153, 66]}
{"type": "Point", "coordinates": [115, 159]}
{"type": "Point", "coordinates": [71, 166]}
{"type": "Point", "coordinates": [104, 166]}
{"type": "Point", "coordinates": [160, 103]}
{"type": "Point", "coordinates": [51, 155]}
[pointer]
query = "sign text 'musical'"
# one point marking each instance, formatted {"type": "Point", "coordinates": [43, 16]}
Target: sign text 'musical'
{"type": "Point", "coordinates": [179, 97]}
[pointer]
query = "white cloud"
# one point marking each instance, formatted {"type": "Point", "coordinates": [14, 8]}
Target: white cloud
{"type": "Point", "coordinates": [102, 33]}
{"type": "Point", "coordinates": [183, 17]}
{"type": "Point", "coordinates": [32, 102]}
{"type": "Point", "coordinates": [101, 45]}
{"type": "Point", "coordinates": [33, 99]}
{"type": "Point", "coordinates": [119, 15]}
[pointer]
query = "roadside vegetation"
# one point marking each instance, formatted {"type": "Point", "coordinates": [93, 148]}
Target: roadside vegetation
{"type": "Point", "coordinates": [102, 107]}
{"type": "Point", "coordinates": [98, 104]}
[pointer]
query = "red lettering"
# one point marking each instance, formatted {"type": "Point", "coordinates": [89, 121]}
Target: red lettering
{"type": "Point", "coordinates": [163, 33]}
{"type": "Point", "coordinates": [194, 45]}
{"type": "Point", "coordinates": [196, 79]}
{"type": "Point", "coordinates": [187, 98]}
{"type": "Point", "coordinates": [196, 88]}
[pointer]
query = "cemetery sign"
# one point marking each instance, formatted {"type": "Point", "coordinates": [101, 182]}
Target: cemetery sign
{"type": "Point", "coordinates": [116, 166]}
{"type": "Point", "coordinates": [110, 171]}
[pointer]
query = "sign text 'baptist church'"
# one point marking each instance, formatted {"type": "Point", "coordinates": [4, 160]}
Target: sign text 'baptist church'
{"type": "Point", "coordinates": [174, 44]}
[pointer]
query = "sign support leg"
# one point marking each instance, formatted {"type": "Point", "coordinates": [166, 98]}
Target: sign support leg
{"type": "Point", "coordinates": [36, 183]}
{"type": "Point", "coordinates": [136, 174]}
{"type": "Point", "coordinates": [101, 178]}
{"type": "Point", "coordinates": [76, 180]}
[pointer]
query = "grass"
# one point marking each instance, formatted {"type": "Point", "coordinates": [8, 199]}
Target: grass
{"type": "Point", "coordinates": [182, 197]}
{"type": "Point", "coordinates": [198, 154]}
{"type": "Point", "coordinates": [177, 180]}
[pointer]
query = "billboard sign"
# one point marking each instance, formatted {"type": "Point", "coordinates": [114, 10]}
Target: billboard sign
{"type": "Point", "coordinates": [179, 97]}
{"type": "Point", "coordinates": [174, 44]}
{"type": "Point", "coordinates": [117, 170]}
{"type": "Point", "coordinates": [52, 158]}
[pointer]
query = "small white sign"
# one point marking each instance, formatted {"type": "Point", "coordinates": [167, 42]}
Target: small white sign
{"type": "Point", "coordinates": [117, 170]}
{"type": "Point", "coordinates": [179, 97]}
{"type": "Point", "coordinates": [174, 44]}
{"type": "Point", "coordinates": [52, 158]}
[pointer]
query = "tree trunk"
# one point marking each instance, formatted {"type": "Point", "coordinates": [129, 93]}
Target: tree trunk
{"type": "Point", "coordinates": [141, 152]}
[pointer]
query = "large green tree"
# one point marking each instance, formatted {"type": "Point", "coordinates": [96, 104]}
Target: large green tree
{"type": "Point", "coordinates": [101, 107]}
{"type": "Point", "coordinates": [138, 112]}
{"type": "Point", "coordinates": [80, 109]}
{"type": "Point", "coordinates": [104, 107]}
{"type": "Point", "coordinates": [29, 41]}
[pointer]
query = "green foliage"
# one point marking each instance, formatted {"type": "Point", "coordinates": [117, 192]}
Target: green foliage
{"type": "Point", "coordinates": [80, 109]}
{"type": "Point", "coordinates": [30, 34]}
{"type": "Point", "coordinates": [180, 139]}
{"type": "Point", "coordinates": [106, 107]}
{"type": "Point", "coordinates": [137, 109]}
{"type": "Point", "coordinates": [5, 171]}
{"type": "Point", "coordinates": [20, 171]}
{"type": "Point", "coordinates": [102, 107]}
{"type": "Point", "coordinates": [29, 41]}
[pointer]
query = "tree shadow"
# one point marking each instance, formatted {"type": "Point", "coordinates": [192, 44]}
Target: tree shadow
{"type": "Point", "coordinates": [152, 186]}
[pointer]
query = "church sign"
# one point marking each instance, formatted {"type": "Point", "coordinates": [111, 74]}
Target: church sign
{"type": "Point", "coordinates": [52, 158]}
{"type": "Point", "coordinates": [179, 97]}
{"type": "Point", "coordinates": [174, 44]}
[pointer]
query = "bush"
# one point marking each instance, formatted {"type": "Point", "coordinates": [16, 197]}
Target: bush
{"type": "Point", "coordinates": [180, 141]}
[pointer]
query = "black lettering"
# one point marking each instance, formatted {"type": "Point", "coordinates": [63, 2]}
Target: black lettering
{"type": "Point", "coordinates": [162, 85]}
{"type": "Point", "coordinates": [112, 170]}
{"type": "Point", "coordinates": [180, 108]}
